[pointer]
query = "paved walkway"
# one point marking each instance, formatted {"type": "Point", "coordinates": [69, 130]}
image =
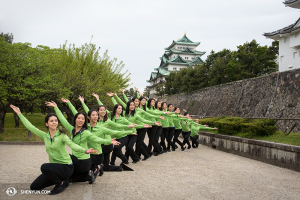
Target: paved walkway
{"type": "Point", "coordinates": [202, 173]}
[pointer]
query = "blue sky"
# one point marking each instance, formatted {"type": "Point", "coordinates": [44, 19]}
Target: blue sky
{"type": "Point", "coordinates": [136, 31]}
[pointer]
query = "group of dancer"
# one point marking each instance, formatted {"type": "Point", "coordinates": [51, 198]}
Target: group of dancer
{"type": "Point", "coordinates": [98, 136]}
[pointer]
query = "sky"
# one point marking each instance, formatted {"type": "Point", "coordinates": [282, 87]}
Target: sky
{"type": "Point", "coordinates": [137, 31]}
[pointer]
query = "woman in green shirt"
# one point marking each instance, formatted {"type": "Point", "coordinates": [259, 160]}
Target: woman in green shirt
{"type": "Point", "coordinates": [61, 167]}
{"type": "Point", "coordinates": [81, 136]}
{"type": "Point", "coordinates": [186, 131]}
{"type": "Point", "coordinates": [195, 127]}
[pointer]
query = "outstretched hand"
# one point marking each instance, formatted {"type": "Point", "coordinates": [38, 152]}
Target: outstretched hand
{"type": "Point", "coordinates": [95, 95]}
{"type": "Point", "coordinates": [64, 100]}
{"type": "Point", "coordinates": [122, 91]}
{"type": "Point", "coordinates": [81, 99]}
{"type": "Point", "coordinates": [161, 117]}
{"type": "Point", "coordinates": [136, 89]}
{"type": "Point", "coordinates": [15, 109]}
{"type": "Point", "coordinates": [109, 94]}
{"type": "Point", "coordinates": [92, 151]}
{"type": "Point", "coordinates": [115, 142]}
{"type": "Point", "coordinates": [133, 133]}
{"type": "Point", "coordinates": [215, 128]}
{"type": "Point", "coordinates": [51, 104]}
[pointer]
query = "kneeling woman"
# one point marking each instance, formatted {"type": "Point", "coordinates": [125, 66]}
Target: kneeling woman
{"type": "Point", "coordinates": [60, 168]}
{"type": "Point", "coordinates": [81, 136]}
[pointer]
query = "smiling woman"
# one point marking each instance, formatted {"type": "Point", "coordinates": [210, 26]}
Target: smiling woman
{"type": "Point", "coordinates": [60, 168]}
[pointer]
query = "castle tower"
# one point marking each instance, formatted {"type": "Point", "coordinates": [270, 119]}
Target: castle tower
{"type": "Point", "coordinates": [180, 54]}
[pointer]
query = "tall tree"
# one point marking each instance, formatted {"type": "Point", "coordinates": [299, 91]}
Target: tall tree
{"type": "Point", "coordinates": [8, 37]}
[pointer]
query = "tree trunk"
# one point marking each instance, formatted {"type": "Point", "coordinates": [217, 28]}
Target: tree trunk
{"type": "Point", "coordinates": [2, 116]}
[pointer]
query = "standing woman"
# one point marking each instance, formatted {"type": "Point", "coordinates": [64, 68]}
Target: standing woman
{"type": "Point", "coordinates": [80, 135]}
{"type": "Point", "coordinates": [186, 131]}
{"type": "Point", "coordinates": [133, 117]}
{"type": "Point", "coordinates": [117, 117]}
{"type": "Point", "coordinates": [165, 129]}
{"type": "Point", "coordinates": [101, 125]}
{"type": "Point", "coordinates": [178, 129]}
{"type": "Point", "coordinates": [60, 166]}
{"type": "Point", "coordinates": [195, 127]}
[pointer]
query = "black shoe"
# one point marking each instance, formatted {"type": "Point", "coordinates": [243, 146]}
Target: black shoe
{"type": "Point", "coordinates": [91, 177]}
{"type": "Point", "coordinates": [165, 151]}
{"type": "Point", "coordinates": [145, 158]}
{"type": "Point", "coordinates": [168, 149]}
{"type": "Point", "coordinates": [182, 149]}
{"type": "Point", "coordinates": [150, 154]}
{"type": "Point", "coordinates": [156, 154]}
{"type": "Point", "coordinates": [101, 170]}
{"type": "Point", "coordinates": [70, 181]}
{"type": "Point", "coordinates": [96, 173]}
{"type": "Point", "coordinates": [112, 163]}
{"type": "Point", "coordinates": [176, 147]}
{"type": "Point", "coordinates": [189, 147]}
{"type": "Point", "coordinates": [135, 161]}
{"type": "Point", "coordinates": [173, 149]}
{"type": "Point", "coordinates": [161, 152]}
{"type": "Point", "coordinates": [58, 189]}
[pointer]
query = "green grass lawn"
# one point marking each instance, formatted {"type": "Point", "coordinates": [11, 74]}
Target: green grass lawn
{"type": "Point", "coordinates": [11, 134]}
{"type": "Point", "coordinates": [278, 137]}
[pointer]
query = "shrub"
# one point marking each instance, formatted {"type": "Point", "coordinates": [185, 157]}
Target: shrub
{"type": "Point", "coordinates": [259, 127]}
{"type": "Point", "coordinates": [230, 125]}
{"type": "Point", "coordinates": [209, 121]}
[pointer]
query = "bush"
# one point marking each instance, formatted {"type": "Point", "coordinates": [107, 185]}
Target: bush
{"type": "Point", "coordinates": [238, 125]}
{"type": "Point", "coordinates": [230, 125]}
{"type": "Point", "coordinates": [209, 121]}
{"type": "Point", "coordinates": [259, 127]}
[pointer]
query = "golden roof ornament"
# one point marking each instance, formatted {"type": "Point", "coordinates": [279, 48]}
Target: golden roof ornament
{"type": "Point", "coordinates": [184, 33]}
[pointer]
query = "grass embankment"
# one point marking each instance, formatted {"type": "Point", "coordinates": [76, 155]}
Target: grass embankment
{"type": "Point", "coordinates": [11, 134]}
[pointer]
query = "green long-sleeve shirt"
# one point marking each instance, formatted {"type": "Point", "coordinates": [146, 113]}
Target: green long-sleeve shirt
{"type": "Point", "coordinates": [102, 129]}
{"type": "Point", "coordinates": [195, 127]}
{"type": "Point", "coordinates": [186, 124]}
{"type": "Point", "coordinates": [56, 148]}
{"type": "Point", "coordinates": [82, 138]}
{"type": "Point", "coordinates": [138, 120]}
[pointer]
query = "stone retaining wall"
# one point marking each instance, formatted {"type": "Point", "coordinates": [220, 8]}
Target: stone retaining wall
{"type": "Point", "coordinates": [282, 155]}
{"type": "Point", "coordinates": [273, 96]}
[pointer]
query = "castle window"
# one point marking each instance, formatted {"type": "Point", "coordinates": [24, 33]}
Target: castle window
{"type": "Point", "coordinates": [284, 40]}
{"type": "Point", "coordinates": [186, 58]}
{"type": "Point", "coordinates": [294, 55]}
{"type": "Point", "coordinates": [174, 68]}
{"type": "Point", "coordinates": [281, 58]}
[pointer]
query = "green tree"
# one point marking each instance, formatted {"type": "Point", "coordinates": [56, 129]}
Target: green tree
{"type": "Point", "coordinates": [83, 71]}
{"type": "Point", "coordinates": [8, 37]}
{"type": "Point", "coordinates": [130, 93]}
{"type": "Point", "coordinates": [146, 92]}
{"type": "Point", "coordinates": [160, 91]}
{"type": "Point", "coordinates": [25, 76]}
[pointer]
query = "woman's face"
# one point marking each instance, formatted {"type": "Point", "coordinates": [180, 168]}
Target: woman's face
{"type": "Point", "coordinates": [143, 102]}
{"type": "Point", "coordinates": [132, 107]}
{"type": "Point", "coordinates": [188, 115]}
{"type": "Point", "coordinates": [119, 110]}
{"type": "Point", "coordinates": [164, 106]}
{"type": "Point", "coordinates": [152, 102]}
{"type": "Point", "coordinates": [94, 117]}
{"type": "Point", "coordinates": [136, 102]}
{"type": "Point", "coordinates": [177, 110]}
{"type": "Point", "coordinates": [52, 122]}
{"type": "Point", "coordinates": [158, 104]}
{"type": "Point", "coordinates": [171, 108]}
{"type": "Point", "coordinates": [79, 121]}
{"type": "Point", "coordinates": [102, 111]}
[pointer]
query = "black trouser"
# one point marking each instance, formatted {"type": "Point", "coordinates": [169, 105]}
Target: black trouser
{"type": "Point", "coordinates": [95, 161]}
{"type": "Point", "coordinates": [186, 136]}
{"type": "Point", "coordinates": [157, 147]}
{"type": "Point", "coordinates": [107, 149]}
{"type": "Point", "coordinates": [117, 152]}
{"type": "Point", "coordinates": [195, 142]}
{"type": "Point", "coordinates": [163, 137]}
{"type": "Point", "coordinates": [129, 148]}
{"type": "Point", "coordinates": [170, 137]}
{"type": "Point", "coordinates": [176, 135]}
{"type": "Point", "coordinates": [151, 134]}
{"type": "Point", "coordinates": [139, 145]}
{"type": "Point", "coordinates": [52, 173]}
{"type": "Point", "coordinates": [81, 169]}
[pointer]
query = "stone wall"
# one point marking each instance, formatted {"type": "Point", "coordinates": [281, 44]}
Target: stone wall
{"type": "Point", "coordinates": [282, 155]}
{"type": "Point", "coordinates": [272, 96]}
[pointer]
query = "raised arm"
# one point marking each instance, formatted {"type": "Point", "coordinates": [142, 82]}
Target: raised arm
{"type": "Point", "coordinates": [72, 108]}
{"type": "Point", "coordinates": [60, 116]}
{"type": "Point", "coordinates": [121, 102]}
{"type": "Point", "coordinates": [27, 124]}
